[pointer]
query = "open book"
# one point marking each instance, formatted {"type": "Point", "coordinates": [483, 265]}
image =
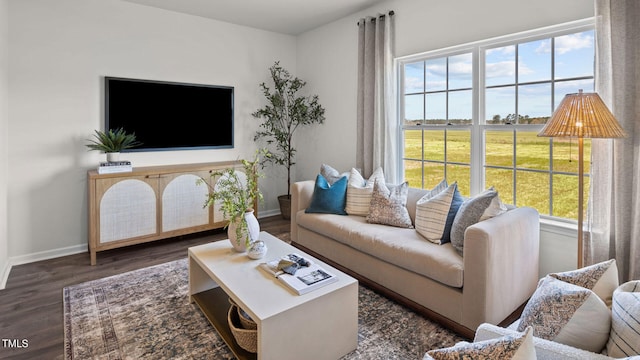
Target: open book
{"type": "Point", "coordinates": [305, 279]}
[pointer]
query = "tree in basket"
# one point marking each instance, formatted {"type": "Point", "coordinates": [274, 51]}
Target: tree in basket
{"type": "Point", "coordinates": [112, 142]}
{"type": "Point", "coordinates": [237, 196]}
{"type": "Point", "coordinates": [285, 112]}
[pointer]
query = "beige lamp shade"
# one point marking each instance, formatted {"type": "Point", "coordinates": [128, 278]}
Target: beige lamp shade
{"type": "Point", "coordinates": [583, 115]}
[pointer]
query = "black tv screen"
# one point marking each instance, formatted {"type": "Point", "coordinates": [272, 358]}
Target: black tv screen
{"type": "Point", "coordinates": [169, 115]}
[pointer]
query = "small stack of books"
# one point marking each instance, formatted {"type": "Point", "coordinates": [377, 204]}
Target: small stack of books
{"type": "Point", "coordinates": [110, 167]}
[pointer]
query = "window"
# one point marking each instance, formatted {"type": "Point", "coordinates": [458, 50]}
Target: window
{"type": "Point", "coordinates": [472, 113]}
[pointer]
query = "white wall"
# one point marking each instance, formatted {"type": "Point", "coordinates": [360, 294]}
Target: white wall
{"type": "Point", "coordinates": [58, 53]}
{"type": "Point", "coordinates": [4, 48]}
{"type": "Point", "coordinates": [327, 59]}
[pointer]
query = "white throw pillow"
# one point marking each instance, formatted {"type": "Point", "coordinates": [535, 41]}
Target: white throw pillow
{"type": "Point", "coordinates": [601, 278]}
{"type": "Point", "coordinates": [514, 347]}
{"type": "Point", "coordinates": [567, 314]}
{"type": "Point", "coordinates": [332, 175]}
{"type": "Point", "coordinates": [359, 191]}
{"type": "Point", "coordinates": [624, 339]}
{"type": "Point", "coordinates": [496, 208]}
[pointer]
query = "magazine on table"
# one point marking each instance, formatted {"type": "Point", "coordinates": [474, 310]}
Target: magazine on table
{"type": "Point", "coordinates": [298, 273]}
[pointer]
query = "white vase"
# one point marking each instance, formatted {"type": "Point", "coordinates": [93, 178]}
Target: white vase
{"type": "Point", "coordinates": [252, 232]}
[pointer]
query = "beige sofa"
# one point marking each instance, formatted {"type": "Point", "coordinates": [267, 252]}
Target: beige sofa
{"type": "Point", "coordinates": [496, 275]}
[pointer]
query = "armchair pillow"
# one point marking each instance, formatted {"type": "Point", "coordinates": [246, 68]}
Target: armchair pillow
{"type": "Point", "coordinates": [515, 347]}
{"type": "Point", "coordinates": [601, 278]}
{"type": "Point", "coordinates": [624, 339]}
{"type": "Point", "coordinates": [567, 314]}
{"type": "Point", "coordinates": [330, 174]}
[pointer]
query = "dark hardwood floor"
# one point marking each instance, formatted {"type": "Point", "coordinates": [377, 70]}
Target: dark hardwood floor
{"type": "Point", "coordinates": [31, 303]}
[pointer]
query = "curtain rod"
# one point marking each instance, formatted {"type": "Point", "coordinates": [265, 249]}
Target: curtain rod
{"type": "Point", "coordinates": [373, 19]}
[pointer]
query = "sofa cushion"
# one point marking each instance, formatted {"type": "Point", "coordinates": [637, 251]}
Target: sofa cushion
{"type": "Point", "coordinates": [518, 346]}
{"type": "Point", "coordinates": [601, 278]}
{"type": "Point", "coordinates": [568, 314]}
{"type": "Point", "coordinates": [388, 205]}
{"type": "Point", "coordinates": [470, 213]}
{"type": "Point", "coordinates": [435, 215]}
{"type": "Point", "coordinates": [624, 339]}
{"type": "Point", "coordinates": [328, 199]}
{"type": "Point", "coordinates": [359, 192]}
{"type": "Point", "coordinates": [402, 247]}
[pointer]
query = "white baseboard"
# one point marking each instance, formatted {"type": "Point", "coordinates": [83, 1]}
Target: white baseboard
{"type": "Point", "coordinates": [39, 256]}
{"type": "Point", "coordinates": [5, 276]}
{"type": "Point", "coordinates": [71, 250]}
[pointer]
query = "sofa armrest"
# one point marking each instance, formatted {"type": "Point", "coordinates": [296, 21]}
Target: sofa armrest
{"type": "Point", "coordinates": [545, 349]}
{"type": "Point", "coordinates": [301, 193]}
{"type": "Point", "coordinates": [500, 265]}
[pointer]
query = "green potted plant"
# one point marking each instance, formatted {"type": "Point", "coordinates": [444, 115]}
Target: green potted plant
{"type": "Point", "coordinates": [112, 142]}
{"type": "Point", "coordinates": [285, 112]}
{"type": "Point", "coordinates": [237, 193]}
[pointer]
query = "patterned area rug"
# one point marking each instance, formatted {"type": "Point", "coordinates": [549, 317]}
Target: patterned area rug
{"type": "Point", "coordinates": [145, 314]}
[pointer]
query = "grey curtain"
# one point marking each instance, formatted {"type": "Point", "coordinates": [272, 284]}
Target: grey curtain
{"type": "Point", "coordinates": [377, 128]}
{"type": "Point", "coordinates": [614, 201]}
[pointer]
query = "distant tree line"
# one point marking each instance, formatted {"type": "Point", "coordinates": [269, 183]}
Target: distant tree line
{"type": "Point", "coordinates": [496, 119]}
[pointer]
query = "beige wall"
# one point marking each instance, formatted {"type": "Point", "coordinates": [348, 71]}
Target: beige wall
{"type": "Point", "coordinates": [59, 52]}
{"type": "Point", "coordinates": [4, 246]}
{"type": "Point", "coordinates": [327, 59]}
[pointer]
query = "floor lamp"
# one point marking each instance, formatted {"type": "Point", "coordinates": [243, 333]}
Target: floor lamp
{"type": "Point", "coordinates": [582, 115]}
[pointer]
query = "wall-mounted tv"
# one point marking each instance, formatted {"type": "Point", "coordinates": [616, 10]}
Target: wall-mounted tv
{"type": "Point", "coordinates": [170, 115]}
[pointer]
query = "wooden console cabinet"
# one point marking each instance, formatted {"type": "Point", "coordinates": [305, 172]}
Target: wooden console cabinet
{"type": "Point", "coordinates": [151, 203]}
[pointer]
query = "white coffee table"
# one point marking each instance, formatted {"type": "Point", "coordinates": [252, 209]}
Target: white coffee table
{"type": "Point", "coordinates": [322, 324]}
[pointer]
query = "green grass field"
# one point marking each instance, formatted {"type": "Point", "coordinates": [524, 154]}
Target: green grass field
{"type": "Point", "coordinates": [532, 156]}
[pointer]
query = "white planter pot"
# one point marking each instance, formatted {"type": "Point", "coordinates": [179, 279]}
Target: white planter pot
{"type": "Point", "coordinates": [113, 156]}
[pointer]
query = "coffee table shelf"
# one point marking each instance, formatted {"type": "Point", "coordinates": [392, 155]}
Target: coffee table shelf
{"type": "Point", "coordinates": [322, 324]}
{"type": "Point", "coordinates": [214, 304]}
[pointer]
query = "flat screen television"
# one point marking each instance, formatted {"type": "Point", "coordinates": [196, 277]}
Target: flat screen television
{"type": "Point", "coordinates": [170, 115]}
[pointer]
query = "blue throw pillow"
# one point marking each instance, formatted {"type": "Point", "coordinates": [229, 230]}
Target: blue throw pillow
{"type": "Point", "coordinates": [456, 202]}
{"type": "Point", "coordinates": [329, 199]}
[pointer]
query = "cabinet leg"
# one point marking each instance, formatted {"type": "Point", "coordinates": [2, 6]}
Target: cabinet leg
{"type": "Point", "coordinates": [93, 257]}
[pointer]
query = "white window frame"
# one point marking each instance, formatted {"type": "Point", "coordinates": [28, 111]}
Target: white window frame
{"type": "Point", "coordinates": [478, 127]}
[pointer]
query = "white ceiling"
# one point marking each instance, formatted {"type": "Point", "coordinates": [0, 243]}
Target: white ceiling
{"type": "Point", "coordinates": [282, 16]}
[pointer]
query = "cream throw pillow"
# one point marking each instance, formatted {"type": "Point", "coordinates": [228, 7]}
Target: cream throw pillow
{"type": "Point", "coordinates": [359, 192]}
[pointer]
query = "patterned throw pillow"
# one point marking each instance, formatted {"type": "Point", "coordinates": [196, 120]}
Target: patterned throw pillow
{"type": "Point", "coordinates": [388, 206]}
{"type": "Point", "coordinates": [359, 192]}
{"type": "Point", "coordinates": [328, 199]}
{"type": "Point", "coordinates": [601, 278]}
{"type": "Point", "coordinates": [332, 175]}
{"type": "Point", "coordinates": [434, 215]}
{"type": "Point", "coordinates": [470, 213]}
{"type": "Point", "coordinates": [567, 314]}
{"type": "Point", "coordinates": [515, 347]}
{"type": "Point", "coordinates": [624, 339]}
